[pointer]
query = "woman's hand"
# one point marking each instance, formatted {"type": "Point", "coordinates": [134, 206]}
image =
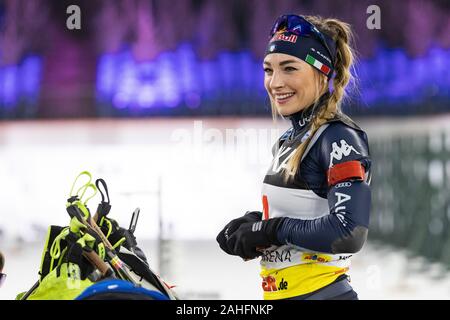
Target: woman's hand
{"type": "Point", "coordinates": [232, 226]}
{"type": "Point", "coordinates": [250, 237]}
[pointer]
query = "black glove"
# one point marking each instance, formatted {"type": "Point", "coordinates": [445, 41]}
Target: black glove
{"type": "Point", "coordinates": [232, 226]}
{"type": "Point", "coordinates": [251, 237]}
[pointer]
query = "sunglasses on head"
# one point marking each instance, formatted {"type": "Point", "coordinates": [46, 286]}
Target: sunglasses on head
{"type": "Point", "coordinates": [300, 26]}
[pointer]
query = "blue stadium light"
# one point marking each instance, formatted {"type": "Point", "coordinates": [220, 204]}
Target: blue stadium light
{"type": "Point", "coordinates": [179, 79]}
{"type": "Point", "coordinates": [20, 85]}
{"type": "Point", "coordinates": [232, 83]}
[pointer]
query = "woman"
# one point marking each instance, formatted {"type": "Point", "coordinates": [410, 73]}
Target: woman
{"type": "Point", "coordinates": [316, 196]}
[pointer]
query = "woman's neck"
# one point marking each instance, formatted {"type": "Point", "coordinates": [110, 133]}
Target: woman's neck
{"type": "Point", "coordinates": [302, 118]}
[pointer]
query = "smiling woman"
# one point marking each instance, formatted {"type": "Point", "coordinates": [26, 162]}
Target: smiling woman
{"type": "Point", "coordinates": [292, 84]}
{"type": "Point", "coordinates": [315, 195]}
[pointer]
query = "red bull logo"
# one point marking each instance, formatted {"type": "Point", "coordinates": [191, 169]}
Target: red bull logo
{"type": "Point", "coordinates": [282, 37]}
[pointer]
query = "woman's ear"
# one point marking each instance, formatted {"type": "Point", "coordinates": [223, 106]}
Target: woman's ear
{"type": "Point", "coordinates": [323, 83]}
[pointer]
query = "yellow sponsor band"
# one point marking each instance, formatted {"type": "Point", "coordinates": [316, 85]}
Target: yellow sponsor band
{"type": "Point", "coordinates": [298, 280]}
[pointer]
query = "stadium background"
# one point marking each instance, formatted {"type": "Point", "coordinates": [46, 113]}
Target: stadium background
{"type": "Point", "coordinates": [165, 101]}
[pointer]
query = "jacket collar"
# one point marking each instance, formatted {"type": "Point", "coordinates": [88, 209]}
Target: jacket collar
{"type": "Point", "coordinates": [302, 118]}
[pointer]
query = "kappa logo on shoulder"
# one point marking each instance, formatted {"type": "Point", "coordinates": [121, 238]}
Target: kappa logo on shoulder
{"type": "Point", "coordinates": [339, 151]}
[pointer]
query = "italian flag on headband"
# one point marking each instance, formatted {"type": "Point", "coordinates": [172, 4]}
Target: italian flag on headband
{"type": "Point", "coordinates": [317, 64]}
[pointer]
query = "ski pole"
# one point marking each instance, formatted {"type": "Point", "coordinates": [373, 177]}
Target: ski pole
{"type": "Point", "coordinates": [79, 211]}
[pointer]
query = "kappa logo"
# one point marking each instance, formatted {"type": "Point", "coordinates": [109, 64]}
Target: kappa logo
{"type": "Point", "coordinates": [276, 166]}
{"type": "Point", "coordinates": [339, 151]}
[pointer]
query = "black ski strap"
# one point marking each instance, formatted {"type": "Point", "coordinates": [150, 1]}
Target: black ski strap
{"type": "Point", "coordinates": [97, 182]}
{"type": "Point", "coordinates": [134, 220]}
{"type": "Point", "coordinates": [104, 207]}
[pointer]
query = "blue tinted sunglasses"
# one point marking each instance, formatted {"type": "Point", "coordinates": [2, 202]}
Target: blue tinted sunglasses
{"type": "Point", "coordinates": [300, 26]}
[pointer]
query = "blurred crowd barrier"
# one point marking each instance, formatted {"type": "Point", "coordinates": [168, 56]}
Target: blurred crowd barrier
{"type": "Point", "coordinates": [411, 186]}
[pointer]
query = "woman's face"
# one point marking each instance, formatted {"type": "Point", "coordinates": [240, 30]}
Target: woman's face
{"type": "Point", "coordinates": [291, 83]}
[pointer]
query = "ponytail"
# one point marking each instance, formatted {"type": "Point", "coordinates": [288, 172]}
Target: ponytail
{"type": "Point", "coordinates": [343, 36]}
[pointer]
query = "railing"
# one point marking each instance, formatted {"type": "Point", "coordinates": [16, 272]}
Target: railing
{"type": "Point", "coordinates": [411, 193]}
